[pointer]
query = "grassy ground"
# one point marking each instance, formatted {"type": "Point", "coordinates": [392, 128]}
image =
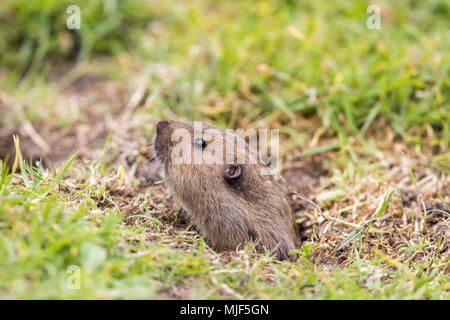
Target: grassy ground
{"type": "Point", "coordinates": [364, 116]}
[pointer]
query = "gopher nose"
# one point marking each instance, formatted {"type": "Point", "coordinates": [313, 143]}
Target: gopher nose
{"type": "Point", "coordinates": [161, 126]}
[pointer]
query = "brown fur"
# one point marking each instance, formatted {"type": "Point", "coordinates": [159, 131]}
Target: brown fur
{"type": "Point", "coordinates": [228, 213]}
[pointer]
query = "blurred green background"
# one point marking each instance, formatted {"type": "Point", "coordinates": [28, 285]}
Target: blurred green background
{"type": "Point", "coordinates": [257, 57]}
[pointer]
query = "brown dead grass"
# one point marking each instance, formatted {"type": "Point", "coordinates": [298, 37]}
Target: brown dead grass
{"type": "Point", "coordinates": [416, 213]}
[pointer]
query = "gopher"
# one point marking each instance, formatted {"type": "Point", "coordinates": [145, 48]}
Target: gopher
{"type": "Point", "coordinates": [231, 202]}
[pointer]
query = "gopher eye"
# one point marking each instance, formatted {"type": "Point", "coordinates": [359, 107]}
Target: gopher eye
{"type": "Point", "coordinates": [200, 143]}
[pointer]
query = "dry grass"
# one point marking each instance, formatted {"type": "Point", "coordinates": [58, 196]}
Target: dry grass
{"type": "Point", "coordinates": [410, 234]}
{"type": "Point", "coordinates": [349, 196]}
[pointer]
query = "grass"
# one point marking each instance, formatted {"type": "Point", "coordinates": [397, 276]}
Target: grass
{"type": "Point", "coordinates": [364, 121]}
{"type": "Point", "coordinates": [43, 235]}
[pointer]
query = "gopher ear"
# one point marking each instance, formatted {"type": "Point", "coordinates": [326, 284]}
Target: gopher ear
{"type": "Point", "coordinates": [232, 171]}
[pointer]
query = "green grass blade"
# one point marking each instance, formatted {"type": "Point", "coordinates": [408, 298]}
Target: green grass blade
{"type": "Point", "coordinates": [22, 163]}
{"type": "Point", "coordinates": [105, 149]}
{"type": "Point", "coordinates": [386, 200]}
{"type": "Point", "coordinates": [352, 235]}
{"type": "Point", "coordinates": [61, 173]}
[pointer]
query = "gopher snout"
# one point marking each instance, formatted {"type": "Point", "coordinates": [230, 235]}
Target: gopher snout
{"type": "Point", "coordinates": [163, 124]}
{"type": "Point", "coordinates": [162, 140]}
